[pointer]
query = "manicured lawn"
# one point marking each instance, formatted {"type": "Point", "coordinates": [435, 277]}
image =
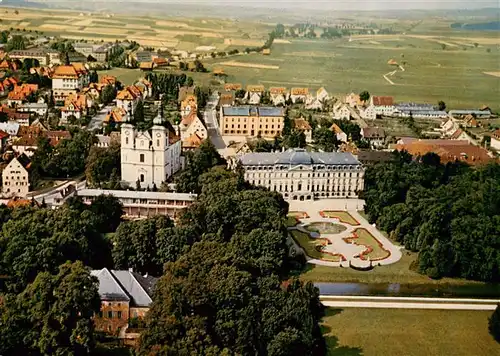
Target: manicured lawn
{"type": "Point", "coordinates": [343, 216]}
{"type": "Point", "coordinates": [325, 228]}
{"type": "Point", "coordinates": [291, 221]}
{"type": "Point", "coordinates": [374, 332]}
{"type": "Point", "coordinates": [309, 245]}
{"type": "Point", "coordinates": [124, 75]}
{"type": "Point", "coordinates": [398, 272]}
{"type": "Point", "coordinates": [364, 238]}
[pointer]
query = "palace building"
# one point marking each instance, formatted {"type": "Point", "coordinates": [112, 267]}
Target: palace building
{"type": "Point", "coordinates": [301, 175]}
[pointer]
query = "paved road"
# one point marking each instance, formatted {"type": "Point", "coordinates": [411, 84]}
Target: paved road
{"type": "Point", "coordinates": [408, 303]}
{"type": "Point", "coordinates": [96, 122]}
{"type": "Point", "coordinates": [210, 117]}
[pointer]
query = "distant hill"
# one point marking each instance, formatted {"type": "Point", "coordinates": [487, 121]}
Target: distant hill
{"type": "Point", "coordinates": [482, 26]}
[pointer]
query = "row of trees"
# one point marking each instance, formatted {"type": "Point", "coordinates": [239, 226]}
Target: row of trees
{"type": "Point", "coordinates": [449, 213]}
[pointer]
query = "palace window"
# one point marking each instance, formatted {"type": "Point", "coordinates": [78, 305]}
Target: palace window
{"type": "Point", "coordinates": [141, 158]}
{"type": "Point", "coordinates": [142, 177]}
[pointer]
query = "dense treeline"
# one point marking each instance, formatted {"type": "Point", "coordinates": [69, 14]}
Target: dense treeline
{"type": "Point", "coordinates": [224, 266]}
{"type": "Point", "coordinates": [450, 213]}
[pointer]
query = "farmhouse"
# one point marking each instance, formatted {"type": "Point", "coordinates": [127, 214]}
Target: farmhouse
{"type": "Point", "coordinates": [299, 95]}
{"type": "Point", "coordinates": [68, 80]}
{"type": "Point", "coordinates": [341, 111]}
{"type": "Point", "coordinates": [279, 95]}
{"type": "Point", "coordinates": [15, 177]}
{"type": "Point", "coordinates": [301, 175]}
{"type": "Point", "coordinates": [383, 105]}
{"type": "Point", "coordinates": [374, 135]}
{"type": "Point", "coordinates": [252, 121]}
{"type": "Point", "coordinates": [254, 94]}
{"type": "Point", "coordinates": [302, 125]}
{"type": "Point", "coordinates": [339, 134]}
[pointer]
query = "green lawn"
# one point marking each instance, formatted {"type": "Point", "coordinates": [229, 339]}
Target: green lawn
{"type": "Point", "coordinates": [365, 238]}
{"type": "Point", "coordinates": [343, 216]}
{"type": "Point", "coordinates": [124, 75]}
{"type": "Point", "coordinates": [309, 245]}
{"type": "Point", "coordinates": [398, 272]}
{"type": "Point", "coordinates": [398, 332]}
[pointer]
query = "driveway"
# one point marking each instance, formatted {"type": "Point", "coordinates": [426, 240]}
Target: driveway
{"type": "Point", "coordinates": [98, 119]}
{"type": "Point", "coordinates": [210, 117]}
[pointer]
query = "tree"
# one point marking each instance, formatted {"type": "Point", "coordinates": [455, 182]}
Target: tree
{"type": "Point", "coordinates": [108, 94]}
{"type": "Point", "coordinates": [494, 324]}
{"type": "Point", "coordinates": [53, 315]}
{"type": "Point", "coordinates": [94, 78]}
{"type": "Point", "coordinates": [108, 211]}
{"type": "Point", "coordinates": [139, 112]}
{"type": "Point", "coordinates": [364, 96]}
{"type": "Point", "coordinates": [443, 46]}
{"type": "Point", "coordinates": [326, 139]}
{"type": "Point", "coordinates": [441, 105]}
{"type": "Point", "coordinates": [17, 42]}
{"type": "Point", "coordinates": [100, 164]}
{"type": "Point", "coordinates": [240, 94]}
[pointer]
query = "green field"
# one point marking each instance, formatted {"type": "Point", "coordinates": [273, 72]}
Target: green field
{"type": "Point", "coordinates": [431, 74]}
{"type": "Point", "coordinates": [398, 332]}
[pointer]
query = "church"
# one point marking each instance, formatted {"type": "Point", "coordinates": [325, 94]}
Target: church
{"type": "Point", "coordinates": [150, 157]}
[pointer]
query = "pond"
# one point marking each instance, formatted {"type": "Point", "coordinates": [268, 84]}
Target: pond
{"type": "Point", "coordinates": [411, 290]}
{"type": "Point", "coordinates": [325, 228]}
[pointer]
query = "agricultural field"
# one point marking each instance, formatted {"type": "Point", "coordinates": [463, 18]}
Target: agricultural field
{"type": "Point", "coordinates": [455, 74]}
{"type": "Point", "coordinates": [373, 332]}
{"type": "Point", "coordinates": [181, 33]}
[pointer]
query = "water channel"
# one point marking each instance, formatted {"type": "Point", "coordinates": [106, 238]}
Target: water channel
{"type": "Point", "coordinates": [472, 290]}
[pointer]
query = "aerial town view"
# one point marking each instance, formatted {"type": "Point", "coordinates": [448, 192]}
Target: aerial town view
{"type": "Point", "coordinates": [225, 177]}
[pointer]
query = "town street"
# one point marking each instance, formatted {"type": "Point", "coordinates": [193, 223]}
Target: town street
{"type": "Point", "coordinates": [98, 119]}
{"type": "Point", "coordinates": [210, 117]}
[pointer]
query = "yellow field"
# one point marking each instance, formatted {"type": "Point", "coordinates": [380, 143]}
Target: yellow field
{"type": "Point", "coordinates": [495, 74]}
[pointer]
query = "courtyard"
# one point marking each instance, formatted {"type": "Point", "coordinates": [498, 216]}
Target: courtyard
{"type": "Point", "coordinates": [331, 232]}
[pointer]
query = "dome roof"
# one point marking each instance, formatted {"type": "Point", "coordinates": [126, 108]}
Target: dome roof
{"type": "Point", "coordinates": [296, 157]}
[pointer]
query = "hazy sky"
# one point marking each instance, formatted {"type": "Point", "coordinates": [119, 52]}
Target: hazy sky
{"type": "Point", "coordinates": [351, 4]}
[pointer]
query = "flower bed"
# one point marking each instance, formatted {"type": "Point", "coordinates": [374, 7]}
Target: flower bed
{"type": "Point", "coordinates": [343, 216]}
{"type": "Point", "coordinates": [314, 248]}
{"type": "Point", "coordinates": [373, 248]}
{"type": "Point", "coordinates": [298, 214]}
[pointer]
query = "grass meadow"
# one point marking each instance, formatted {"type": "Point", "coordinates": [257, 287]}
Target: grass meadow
{"type": "Point", "coordinates": [374, 332]}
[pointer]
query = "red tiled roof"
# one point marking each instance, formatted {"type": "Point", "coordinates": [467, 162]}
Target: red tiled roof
{"type": "Point", "coordinates": [301, 124]}
{"type": "Point", "coordinates": [383, 100]}
{"type": "Point", "coordinates": [193, 141]}
{"type": "Point", "coordinates": [3, 134]}
{"type": "Point", "coordinates": [456, 134]}
{"type": "Point", "coordinates": [300, 91]}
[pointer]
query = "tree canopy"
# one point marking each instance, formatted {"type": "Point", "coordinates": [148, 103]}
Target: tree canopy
{"type": "Point", "coordinates": [450, 213]}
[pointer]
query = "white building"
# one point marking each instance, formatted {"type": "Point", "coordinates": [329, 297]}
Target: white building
{"type": "Point", "coordinates": [301, 175]}
{"type": "Point", "coordinates": [35, 108]}
{"type": "Point", "coordinates": [368, 113]}
{"type": "Point", "coordinates": [15, 177]}
{"type": "Point", "coordinates": [254, 94]}
{"type": "Point", "coordinates": [302, 125]}
{"type": "Point", "coordinates": [129, 98]}
{"type": "Point", "coordinates": [383, 105]}
{"type": "Point", "coordinates": [190, 125]}
{"type": "Point", "coordinates": [150, 157]}
{"type": "Point", "coordinates": [341, 111]}
{"type": "Point", "coordinates": [299, 94]}
{"type": "Point", "coordinates": [495, 140]}
{"type": "Point", "coordinates": [68, 80]}
{"type": "Point", "coordinates": [279, 95]}
{"type": "Point", "coordinates": [374, 135]}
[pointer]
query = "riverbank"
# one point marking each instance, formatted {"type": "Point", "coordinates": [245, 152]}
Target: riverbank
{"type": "Point", "coordinates": [373, 332]}
{"type": "Point", "coordinates": [400, 272]}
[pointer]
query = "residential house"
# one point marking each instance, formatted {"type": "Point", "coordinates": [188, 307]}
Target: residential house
{"type": "Point", "coordinates": [94, 90]}
{"type": "Point", "coordinates": [232, 86]}
{"type": "Point", "coordinates": [368, 112]}
{"type": "Point", "coordinates": [189, 105]}
{"type": "Point", "coordinates": [383, 105]}
{"type": "Point", "coordinates": [146, 66]}
{"type": "Point", "coordinates": [42, 71]}
{"type": "Point", "coordinates": [479, 114]}
{"type": "Point", "coordinates": [33, 53]}
{"type": "Point", "coordinates": [15, 177]}
{"type": "Point", "coordinates": [160, 62]}
{"type": "Point", "coordinates": [279, 95]}
{"type": "Point", "coordinates": [301, 124]}
{"type": "Point", "coordinates": [226, 99]}
{"type": "Point", "coordinates": [102, 141]}
{"type": "Point", "coordinates": [124, 295]}
{"type": "Point", "coordinates": [341, 135]}
{"type": "Point", "coordinates": [145, 86]}
{"type": "Point", "coordinates": [128, 98]}
{"type": "Point", "coordinates": [374, 135]}
{"type": "Point", "coordinates": [341, 111]}
{"type": "Point", "coordinates": [313, 103]}
{"type": "Point", "coordinates": [250, 121]}
{"type": "Point", "coordinates": [448, 127]}
{"type": "Point", "coordinates": [68, 79]}
{"type": "Point", "coordinates": [75, 105]}
{"type": "Point", "coordinates": [254, 94]}
{"type": "Point", "coordinates": [116, 116]}
{"type": "Point", "coordinates": [299, 95]}
{"type": "Point", "coordinates": [192, 124]}
{"type": "Point", "coordinates": [108, 80]}
{"type": "Point", "coordinates": [460, 134]}
{"type": "Point", "coordinates": [7, 65]}
{"type": "Point", "coordinates": [495, 140]}
{"type": "Point", "coordinates": [470, 121]}
{"type": "Point", "coordinates": [20, 93]}
{"type": "Point", "coordinates": [322, 95]}
{"type": "Point", "coordinates": [39, 109]}
{"type": "Point", "coordinates": [192, 142]}
{"type": "Point", "coordinates": [144, 56]}
{"type": "Point", "coordinates": [22, 118]}
{"type": "Point", "coordinates": [447, 150]}
{"type": "Point", "coordinates": [353, 100]}
{"type": "Point", "coordinates": [28, 138]}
